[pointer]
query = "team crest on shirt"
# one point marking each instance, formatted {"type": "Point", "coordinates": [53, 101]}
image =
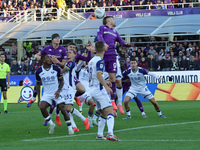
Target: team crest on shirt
{"type": "Point", "coordinates": [60, 50]}
{"type": "Point", "coordinates": [50, 50]}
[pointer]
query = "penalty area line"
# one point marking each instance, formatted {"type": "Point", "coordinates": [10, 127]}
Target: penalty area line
{"type": "Point", "coordinates": [121, 130]}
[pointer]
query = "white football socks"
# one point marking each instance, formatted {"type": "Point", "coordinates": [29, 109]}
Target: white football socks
{"type": "Point", "coordinates": [119, 91]}
{"type": "Point", "coordinates": [101, 126]}
{"type": "Point", "coordinates": [75, 112]}
{"type": "Point", "coordinates": [110, 123]}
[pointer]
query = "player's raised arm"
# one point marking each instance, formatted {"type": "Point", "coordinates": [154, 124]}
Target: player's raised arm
{"type": "Point", "coordinates": [38, 56]}
{"type": "Point", "coordinates": [100, 34]}
{"type": "Point", "coordinates": [154, 75]}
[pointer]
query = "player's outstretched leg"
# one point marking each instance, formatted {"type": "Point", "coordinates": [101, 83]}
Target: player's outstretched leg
{"type": "Point", "coordinates": [101, 126]}
{"type": "Point", "coordinates": [66, 117]}
{"type": "Point", "coordinates": [58, 121]}
{"type": "Point", "coordinates": [95, 117]}
{"type": "Point", "coordinates": [75, 129]}
{"type": "Point", "coordinates": [43, 108]}
{"type": "Point", "coordinates": [110, 124]}
{"type": "Point", "coordinates": [75, 112]}
{"type": "Point", "coordinates": [157, 108]}
{"type": "Point", "coordinates": [119, 91]}
{"type": "Point", "coordinates": [127, 107]}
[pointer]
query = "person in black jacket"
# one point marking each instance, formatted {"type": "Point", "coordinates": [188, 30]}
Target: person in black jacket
{"type": "Point", "coordinates": [151, 62]}
{"type": "Point", "coordinates": [183, 64]}
{"type": "Point", "coordinates": [15, 68]}
{"type": "Point", "coordinates": [192, 64]}
{"type": "Point", "coordinates": [167, 63]}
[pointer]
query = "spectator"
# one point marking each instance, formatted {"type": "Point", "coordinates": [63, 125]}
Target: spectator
{"type": "Point", "coordinates": [128, 62]}
{"type": "Point", "coordinates": [28, 47]}
{"type": "Point", "coordinates": [143, 63]}
{"type": "Point", "coordinates": [192, 63]}
{"type": "Point", "coordinates": [36, 65]}
{"type": "Point", "coordinates": [13, 49]}
{"type": "Point", "coordinates": [175, 50]}
{"type": "Point", "coordinates": [27, 68]}
{"type": "Point", "coordinates": [82, 49]}
{"type": "Point", "coordinates": [15, 68]}
{"type": "Point", "coordinates": [184, 64]}
{"type": "Point", "coordinates": [152, 51]}
{"type": "Point", "coordinates": [21, 66]}
{"type": "Point", "coordinates": [167, 63]}
{"type": "Point", "coordinates": [193, 51]}
{"type": "Point", "coordinates": [180, 57]}
{"type": "Point", "coordinates": [159, 64]}
{"type": "Point", "coordinates": [174, 64]}
{"type": "Point", "coordinates": [189, 47]}
{"type": "Point", "coordinates": [188, 56]}
{"type": "Point", "coordinates": [168, 47]}
{"type": "Point", "coordinates": [151, 62]}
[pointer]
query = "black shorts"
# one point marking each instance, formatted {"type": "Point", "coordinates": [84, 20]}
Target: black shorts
{"type": "Point", "coordinates": [3, 84]}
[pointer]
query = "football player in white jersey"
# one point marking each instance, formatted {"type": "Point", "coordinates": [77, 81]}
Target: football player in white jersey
{"type": "Point", "coordinates": [71, 83]}
{"type": "Point", "coordinates": [83, 76]}
{"type": "Point", "coordinates": [99, 93]}
{"type": "Point", "coordinates": [138, 86]}
{"type": "Point", "coordinates": [52, 80]}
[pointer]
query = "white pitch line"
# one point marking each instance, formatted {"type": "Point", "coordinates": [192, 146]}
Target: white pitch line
{"type": "Point", "coordinates": [159, 140]}
{"type": "Point", "coordinates": [136, 128]}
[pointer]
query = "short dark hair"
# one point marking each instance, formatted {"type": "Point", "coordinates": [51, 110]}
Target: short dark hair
{"type": "Point", "coordinates": [133, 59]}
{"type": "Point", "coordinates": [99, 46]}
{"type": "Point", "coordinates": [43, 56]}
{"type": "Point", "coordinates": [71, 43]}
{"type": "Point", "coordinates": [105, 19]}
{"type": "Point", "coordinates": [72, 50]}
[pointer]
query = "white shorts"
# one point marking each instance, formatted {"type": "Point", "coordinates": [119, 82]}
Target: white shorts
{"type": "Point", "coordinates": [49, 98]}
{"type": "Point", "coordinates": [101, 98]}
{"type": "Point", "coordinates": [85, 97]}
{"type": "Point", "coordinates": [119, 72]}
{"type": "Point", "coordinates": [143, 92]}
{"type": "Point", "coordinates": [68, 96]}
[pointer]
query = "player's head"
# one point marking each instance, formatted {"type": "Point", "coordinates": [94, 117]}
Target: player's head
{"type": "Point", "coordinates": [71, 54]}
{"type": "Point", "coordinates": [109, 20]}
{"type": "Point", "coordinates": [133, 63]}
{"type": "Point", "coordinates": [71, 45]}
{"type": "Point", "coordinates": [100, 47]}
{"type": "Point", "coordinates": [46, 60]}
{"type": "Point", "coordinates": [55, 38]}
{"type": "Point", "coordinates": [122, 62]}
{"type": "Point", "coordinates": [2, 57]}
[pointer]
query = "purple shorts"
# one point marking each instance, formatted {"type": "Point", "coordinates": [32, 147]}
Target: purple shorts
{"type": "Point", "coordinates": [110, 63]}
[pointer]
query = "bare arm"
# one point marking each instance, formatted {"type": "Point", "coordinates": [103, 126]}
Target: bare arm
{"type": "Point", "coordinates": [38, 91]}
{"type": "Point", "coordinates": [38, 56]}
{"type": "Point", "coordinates": [8, 75]}
{"type": "Point", "coordinates": [57, 94]}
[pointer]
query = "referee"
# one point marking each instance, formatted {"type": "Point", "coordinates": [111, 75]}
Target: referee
{"type": "Point", "coordinates": [4, 70]}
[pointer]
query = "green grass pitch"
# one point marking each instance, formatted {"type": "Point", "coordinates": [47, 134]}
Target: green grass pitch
{"type": "Point", "coordinates": [22, 129]}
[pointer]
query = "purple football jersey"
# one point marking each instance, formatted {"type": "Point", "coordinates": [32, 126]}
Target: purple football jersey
{"type": "Point", "coordinates": [60, 52]}
{"type": "Point", "coordinates": [109, 36]}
